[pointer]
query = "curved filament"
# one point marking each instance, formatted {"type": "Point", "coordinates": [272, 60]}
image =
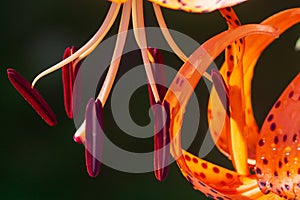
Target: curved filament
{"type": "Point", "coordinates": [120, 43]}
{"type": "Point", "coordinates": [88, 47]}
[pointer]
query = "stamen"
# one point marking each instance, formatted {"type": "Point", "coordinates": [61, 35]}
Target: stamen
{"type": "Point", "coordinates": [89, 46]}
{"type": "Point", "coordinates": [114, 66]}
{"type": "Point", "coordinates": [161, 117]}
{"type": "Point", "coordinates": [32, 96]}
{"type": "Point", "coordinates": [161, 140]}
{"type": "Point", "coordinates": [169, 38]}
{"type": "Point", "coordinates": [68, 81]}
{"type": "Point", "coordinates": [221, 89]}
{"type": "Point", "coordinates": [140, 35]}
{"type": "Point", "coordinates": [94, 136]}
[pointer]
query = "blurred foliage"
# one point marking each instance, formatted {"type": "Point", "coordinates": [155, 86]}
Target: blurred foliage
{"type": "Point", "coordinates": [39, 162]}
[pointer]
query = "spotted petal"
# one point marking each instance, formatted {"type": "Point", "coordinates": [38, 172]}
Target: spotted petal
{"type": "Point", "coordinates": [197, 6]}
{"type": "Point", "coordinates": [178, 96]}
{"type": "Point", "coordinates": [255, 45]}
{"type": "Point", "coordinates": [278, 148]}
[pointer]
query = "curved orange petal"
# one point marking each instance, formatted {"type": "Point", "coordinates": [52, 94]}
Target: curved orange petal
{"type": "Point", "coordinates": [197, 6]}
{"type": "Point", "coordinates": [254, 46]}
{"type": "Point", "coordinates": [231, 139]}
{"type": "Point", "coordinates": [178, 96]}
{"type": "Point", "coordinates": [278, 149]}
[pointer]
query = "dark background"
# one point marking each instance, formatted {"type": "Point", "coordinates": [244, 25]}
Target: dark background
{"type": "Point", "coordinates": [42, 162]}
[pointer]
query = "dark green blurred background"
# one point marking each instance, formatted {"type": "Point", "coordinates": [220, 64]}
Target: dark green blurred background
{"type": "Point", "coordinates": [39, 162]}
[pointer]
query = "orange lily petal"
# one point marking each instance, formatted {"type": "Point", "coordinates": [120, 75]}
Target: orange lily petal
{"type": "Point", "coordinates": [179, 94]}
{"type": "Point", "coordinates": [232, 140]}
{"type": "Point", "coordinates": [254, 46]}
{"type": "Point", "coordinates": [197, 6]}
{"type": "Point", "coordinates": [278, 149]}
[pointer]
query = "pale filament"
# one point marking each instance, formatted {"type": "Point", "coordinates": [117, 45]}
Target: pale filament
{"type": "Point", "coordinates": [169, 39]}
{"type": "Point", "coordinates": [140, 35]}
{"type": "Point", "coordinates": [89, 46]}
{"type": "Point", "coordinates": [114, 66]}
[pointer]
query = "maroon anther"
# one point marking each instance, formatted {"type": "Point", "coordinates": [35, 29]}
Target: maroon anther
{"type": "Point", "coordinates": [161, 140]}
{"type": "Point", "coordinates": [32, 96]}
{"type": "Point", "coordinates": [94, 136]}
{"type": "Point", "coordinates": [69, 72]}
{"type": "Point", "coordinates": [161, 118]}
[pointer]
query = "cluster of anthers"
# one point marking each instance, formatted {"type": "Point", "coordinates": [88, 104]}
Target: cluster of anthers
{"type": "Point", "coordinates": [273, 150]}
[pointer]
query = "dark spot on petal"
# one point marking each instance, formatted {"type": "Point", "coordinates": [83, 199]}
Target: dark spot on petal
{"type": "Point", "coordinates": [286, 160]}
{"type": "Point", "coordinates": [276, 140]}
{"type": "Point", "coordinates": [229, 176]}
{"type": "Point", "coordinates": [195, 160]}
{"type": "Point", "coordinates": [291, 94]}
{"type": "Point", "coordinates": [228, 73]}
{"type": "Point", "coordinates": [273, 127]}
{"type": "Point", "coordinates": [216, 170]}
{"type": "Point", "coordinates": [214, 191]}
{"type": "Point", "coordinates": [288, 173]}
{"type": "Point", "coordinates": [294, 137]}
{"type": "Point", "coordinates": [228, 9]}
{"type": "Point", "coordinates": [270, 118]}
{"type": "Point", "coordinates": [204, 165]}
{"type": "Point", "coordinates": [189, 179]}
{"type": "Point", "coordinates": [261, 142]}
{"type": "Point", "coordinates": [267, 192]}
{"type": "Point", "coordinates": [285, 137]}
{"type": "Point", "coordinates": [278, 191]}
{"type": "Point", "coordinates": [201, 183]}
{"type": "Point", "coordinates": [202, 175]}
{"type": "Point", "coordinates": [277, 104]}
{"type": "Point", "coordinates": [276, 174]}
{"type": "Point", "coordinates": [237, 22]}
{"type": "Point", "coordinates": [279, 164]}
{"type": "Point", "coordinates": [187, 158]}
{"type": "Point", "coordinates": [258, 171]}
{"type": "Point", "coordinates": [287, 186]}
{"type": "Point", "coordinates": [265, 161]}
{"type": "Point", "coordinates": [262, 184]}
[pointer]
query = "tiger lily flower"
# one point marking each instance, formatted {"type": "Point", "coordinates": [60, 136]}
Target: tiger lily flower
{"type": "Point", "coordinates": [273, 150]}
